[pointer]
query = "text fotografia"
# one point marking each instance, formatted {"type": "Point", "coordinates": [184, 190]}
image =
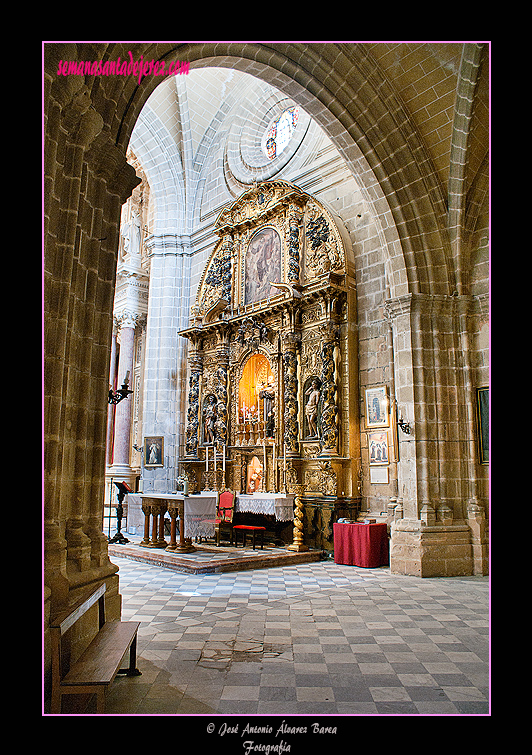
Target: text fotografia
{"type": "Point", "coordinates": [251, 746]}
{"type": "Point", "coordinates": [139, 68]}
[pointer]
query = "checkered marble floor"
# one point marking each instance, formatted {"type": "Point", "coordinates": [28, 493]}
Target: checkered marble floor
{"type": "Point", "coordinates": [315, 638]}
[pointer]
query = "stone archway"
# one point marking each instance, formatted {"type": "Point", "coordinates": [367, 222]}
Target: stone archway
{"type": "Point", "coordinates": [88, 124]}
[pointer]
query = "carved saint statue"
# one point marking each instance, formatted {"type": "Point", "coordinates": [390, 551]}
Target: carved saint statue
{"type": "Point", "coordinates": [131, 237]}
{"type": "Point", "coordinates": [270, 423]}
{"type": "Point", "coordinates": [209, 420]}
{"type": "Point", "coordinates": [267, 394]}
{"type": "Point", "coordinates": [311, 408]}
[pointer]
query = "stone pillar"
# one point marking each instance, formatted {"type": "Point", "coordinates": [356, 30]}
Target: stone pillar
{"type": "Point", "coordinates": [397, 312]}
{"type": "Point", "coordinates": [437, 465]}
{"type": "Point", "coordinates": [122, 434]}
{"type": "Point", "coordinates": [479, 538]}
{"type": "Point", "coordinates": [87, 179]}
{"type": "Point", "coordinates": [110, 411]}
{"type": "Point", "coordinates": [163, 410]}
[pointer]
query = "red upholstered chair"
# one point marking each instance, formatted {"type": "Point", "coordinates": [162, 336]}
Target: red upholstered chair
{"type": "Point", "coordinates": [244, 529]}
{"type": "Point", "coordinates": [224, 515]}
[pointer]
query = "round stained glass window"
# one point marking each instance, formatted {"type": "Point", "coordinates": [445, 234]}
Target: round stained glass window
{"type": "Point", "coordinates": [280, 132]}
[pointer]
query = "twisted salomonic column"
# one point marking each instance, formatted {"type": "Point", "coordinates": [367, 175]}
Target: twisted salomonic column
{"type": "Point", "coordinates": [221, 393]}
{"type": "Point", "coordinates": [294, 218]}
{"type": "Point", "coordinates": [329, 416]}
{"type": "Point", "coordinates": [297, 544]}
{"type": "Point", "coordinates": [193, 419]}
{"type": "Point", "coordinates": [291, 425]}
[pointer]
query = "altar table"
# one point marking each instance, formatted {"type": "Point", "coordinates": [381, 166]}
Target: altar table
{"type": "Point", "coordinates": [280, 506]}
{"type": "Point", "coordinates": [200, 511]}
{"type": "Point", "coordinates": [361, 544]}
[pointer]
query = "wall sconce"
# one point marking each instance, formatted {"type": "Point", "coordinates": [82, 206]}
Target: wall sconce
{"type": "Point", "coordinates": [405, 426]}
{"type": "Point", "coordinates": [121, 393]}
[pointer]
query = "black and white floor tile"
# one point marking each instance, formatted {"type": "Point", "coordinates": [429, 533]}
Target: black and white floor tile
{"type": "Point", "coordinates": [315, 638]}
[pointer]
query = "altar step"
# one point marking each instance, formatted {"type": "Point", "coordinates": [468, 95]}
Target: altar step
{"type": "Point", "coordinates": [209, 559]}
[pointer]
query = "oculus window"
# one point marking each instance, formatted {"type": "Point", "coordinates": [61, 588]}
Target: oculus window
{"type": "Point", "coordinates": [280, 132]}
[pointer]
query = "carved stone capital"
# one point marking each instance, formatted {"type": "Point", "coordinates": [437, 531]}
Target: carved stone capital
{"type": "Point", "coordinates": [109, 162]}
{"type": "Point", "coordinates": [127, 319]}
{"type": "Point", "coordinates": [432, 305]}
{"type": "Point", "coordinates": [396, 307]}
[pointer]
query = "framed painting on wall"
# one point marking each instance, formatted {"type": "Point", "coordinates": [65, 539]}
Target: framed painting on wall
{"type": "Point", "coordinates": [379, 452]}
{"type": "Point", "coordinates": [377, 407]}
{"type": "Point", "coordinates": [483, 417]}
{"type": "Point", "coordinates": [262, 265]}
{"type": "Point", "coordinates": [154, 451]}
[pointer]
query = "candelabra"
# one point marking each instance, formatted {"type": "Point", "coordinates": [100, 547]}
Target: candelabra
{"type": "Point", "coordinates": [122, 393]}
{"type": "Point", "coordinates": [123, 490]}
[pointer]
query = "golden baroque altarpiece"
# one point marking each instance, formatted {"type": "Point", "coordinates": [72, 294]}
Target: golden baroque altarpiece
{"type": "Point", "coordinates": [273, 393]}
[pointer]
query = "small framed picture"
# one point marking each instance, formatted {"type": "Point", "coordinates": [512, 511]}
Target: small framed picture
{"type": "Point", "coordinates": [154, 451]}
{"type": "Point", "coordinates": [377, 414]}
{"type": "Point", "coordinates": [379, 452]}
{"type": "Point", "coordinates": [483, 418]}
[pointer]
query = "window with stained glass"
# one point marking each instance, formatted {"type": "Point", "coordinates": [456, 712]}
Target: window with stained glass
{"type": "Point", "coordinates": [280, 131]}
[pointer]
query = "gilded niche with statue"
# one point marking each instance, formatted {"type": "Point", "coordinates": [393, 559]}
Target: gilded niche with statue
{"type": "Point", "coordinates": [272, 399]}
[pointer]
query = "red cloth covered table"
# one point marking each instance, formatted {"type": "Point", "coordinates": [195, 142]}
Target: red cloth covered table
{"type": "Point", "coordinates": [361, 544]}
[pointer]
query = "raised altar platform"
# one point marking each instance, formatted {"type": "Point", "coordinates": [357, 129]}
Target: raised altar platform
{"type": "Point", "coordinates": [207, 559]}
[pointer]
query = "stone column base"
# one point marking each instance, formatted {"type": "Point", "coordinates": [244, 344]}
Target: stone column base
{"type": "Point", "coordinates": [431, 551]}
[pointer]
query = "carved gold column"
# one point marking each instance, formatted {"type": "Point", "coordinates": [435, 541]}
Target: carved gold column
{"type": "Point", "coordinates": [176, 508]}
{"type": "Point", "coordinates": [291, 425]}
{"type": "Point", "coordinates": [298, 545]}
{"type": "Point", "coordinates": [329, 333]}
{"type": "Point", "coordinates": [193, 419]}
{"type": "Point", "coordinates": [295, 217]}
{"type": "Point", "coordinates": [221, 388]}
{"type": "Point", "coordinates": [156, 509]}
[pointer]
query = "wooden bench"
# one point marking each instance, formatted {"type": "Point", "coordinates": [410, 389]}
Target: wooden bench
{"type": "Point", "coordinates": [245, 528]}
{"type": "Point", "coordinates": [95, 670]}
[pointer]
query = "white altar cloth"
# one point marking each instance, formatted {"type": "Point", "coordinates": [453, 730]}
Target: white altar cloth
{"type": "Point", "coordinates": [200, 511]}
{"type": "Point", "coordinates": [279, 505]}
{"type": "Point", "coordinates": [135, 517]}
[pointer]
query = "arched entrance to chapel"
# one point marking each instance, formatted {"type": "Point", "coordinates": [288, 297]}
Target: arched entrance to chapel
{"type": "Point", "coordinates": [418, 263]}
{"type": "Point", "coordinates": [388, 162]}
